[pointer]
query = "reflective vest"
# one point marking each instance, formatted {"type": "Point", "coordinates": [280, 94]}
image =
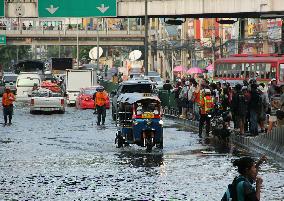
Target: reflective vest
{"type": "Point", "coordinates": [206, 104]}
{"type": "Point", "coordinates": [101, 98]}
{"type": "Point", "coordinates": [8, 99]}
{"type": "Point", "coordinates": [200, 97]}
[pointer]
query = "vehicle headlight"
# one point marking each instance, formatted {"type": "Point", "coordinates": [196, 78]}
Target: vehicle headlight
{"type": "Point", "coordinates": [135, 123]}
{"type": "Point", "coordinates": [161, 122]}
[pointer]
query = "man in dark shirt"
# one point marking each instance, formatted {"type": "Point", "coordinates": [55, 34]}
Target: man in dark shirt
{"type": "Point", "coordinates": [167, 85]}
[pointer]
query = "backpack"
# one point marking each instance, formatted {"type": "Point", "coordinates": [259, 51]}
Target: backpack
{"type": "Point", "coordinates": [231, 193]}
{"type": "Point", "coordinates": [242, 103]}
{"type": "Point", "coordinates": [259, 100]}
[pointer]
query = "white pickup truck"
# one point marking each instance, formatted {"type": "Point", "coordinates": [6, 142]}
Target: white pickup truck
{"type": "Point", "coordinates": [44, 100]}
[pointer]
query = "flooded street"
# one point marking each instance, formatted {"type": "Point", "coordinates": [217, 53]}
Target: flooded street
{"type": "Point", "coordinates": [67, 157]}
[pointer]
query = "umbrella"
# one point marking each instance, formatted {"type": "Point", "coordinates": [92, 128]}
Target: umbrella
{"type": "Point", "coordinates": [210, 67]}
{"type": "Point", "coordinates": [195, 70]}
{"type": "Point", "coordinates": [179, 69]}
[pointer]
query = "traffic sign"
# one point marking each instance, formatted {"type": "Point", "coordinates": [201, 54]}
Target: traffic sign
{"type": "Point", "coordinates": [2, 8]}
{"type": "Point", "coordinates": [2, 39]}
{"type": "Point", "coordinates": [75, 8]}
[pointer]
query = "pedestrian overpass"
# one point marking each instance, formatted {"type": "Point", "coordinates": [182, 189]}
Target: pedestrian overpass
{"type": "Point", "coordinates": [166, 8]}
{"type": "Point", "coordinates": [134, 8]}
{"type": "Point", "coordinates": [201, 8]}
{"type": "Point", "coordinates": [69, 37]}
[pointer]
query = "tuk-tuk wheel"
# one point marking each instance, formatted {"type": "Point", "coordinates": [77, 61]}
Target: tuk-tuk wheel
{"type": "Point", "coordinates": [113, 116]}
{"type": "Point", "coordinates": [119, 141]}
{"type": "Point", "coordinates": [149, 146]}
{"type": "Point", "coordinates": [160, 146]}
{"type": "Point", "coordinates": [119, 144]}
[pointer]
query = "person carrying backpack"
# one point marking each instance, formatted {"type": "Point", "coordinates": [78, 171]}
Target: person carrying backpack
{"type": "Point", "coordinates": [255, 105]}
{"type": "Point", "coordinates": [239, 108]}
{"type": "Point", "coordinates": [183, 96]}
{"type": "Point", "coordinates": [242, 188]}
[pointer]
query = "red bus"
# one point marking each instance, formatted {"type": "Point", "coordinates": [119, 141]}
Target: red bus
{"type": "Point", "coordinates": [241, 67]}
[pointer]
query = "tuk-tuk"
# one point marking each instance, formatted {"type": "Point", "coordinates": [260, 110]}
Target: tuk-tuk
{"type": "Point", "coordinates": [139, 121]}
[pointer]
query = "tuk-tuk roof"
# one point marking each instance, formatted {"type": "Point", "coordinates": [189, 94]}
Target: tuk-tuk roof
{"type": "Point", "coordinates": [141, 81]}
{"type": "Point", "coordinates": [134, 97]}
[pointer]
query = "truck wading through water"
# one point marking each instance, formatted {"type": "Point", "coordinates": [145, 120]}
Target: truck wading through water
{"type": "Point", "coordinates": [44, 100]}
{"type": "Point", "coordinates": [77, 79]}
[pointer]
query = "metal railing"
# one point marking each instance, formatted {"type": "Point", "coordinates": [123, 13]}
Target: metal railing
{"type": "Point", "coordinates": [82, 33]}
{"type": "Point", "coordinates": [277, 135]}
{"type": "Point", "coordinates": [271, 144]}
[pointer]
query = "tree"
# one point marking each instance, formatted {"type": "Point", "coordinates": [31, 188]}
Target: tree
{"type": "Point", "coordinates": [9, 54]}
{"type": "Point", "coordinates": [83, 52]}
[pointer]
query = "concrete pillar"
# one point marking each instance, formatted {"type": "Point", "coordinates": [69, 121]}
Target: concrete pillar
{"type": "Point", "coordinates": [34, 52]}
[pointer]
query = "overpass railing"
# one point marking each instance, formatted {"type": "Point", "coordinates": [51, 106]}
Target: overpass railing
{"type": "Point", "coordinates": [72, 33]}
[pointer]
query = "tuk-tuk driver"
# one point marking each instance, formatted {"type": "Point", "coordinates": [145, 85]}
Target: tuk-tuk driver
{"type": "Point", "coordinates": [100, 105]}
{"type": "Point", "coordinates": [139, 109]}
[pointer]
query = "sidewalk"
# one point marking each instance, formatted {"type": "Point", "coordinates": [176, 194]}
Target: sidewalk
{"type": "Point", "coordinates": [271, 144]}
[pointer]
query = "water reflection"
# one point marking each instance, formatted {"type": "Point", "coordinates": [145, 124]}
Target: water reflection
{"type": "Point", "coordinates": [218, 146]}
{"type": "Point", "coordinates": [141, 159]}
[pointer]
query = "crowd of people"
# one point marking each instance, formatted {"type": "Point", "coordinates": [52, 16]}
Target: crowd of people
{"type": "Point", "coordinates": [254, 107]}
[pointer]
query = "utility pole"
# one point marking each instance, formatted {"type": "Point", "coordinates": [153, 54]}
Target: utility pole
{"type": "Point", "coordinates": [77, 44]}
{"type": "Point", "coordinates": [146, 38]}
{"type": "Point", "coordinates": [281, 46]}
{"type": "Point", "coordinates": [184, 59]}
{"type": "Point", "coordinates": [98, 52]}
{"type": "Point", "coordinates": [221, 40]}
{"type": "Point", "coordinates": [172, 74]}
{"type": "Point", "coordinates": [59, 50]}
{"type": "Point", "coordinates": [17, 54]}
{"type": "Point", "coordinates": [213, 45]}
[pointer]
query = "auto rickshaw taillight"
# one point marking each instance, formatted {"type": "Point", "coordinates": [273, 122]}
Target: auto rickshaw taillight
{"type": "Point", "coordinates": [134, 116]}
{"type": "Point", "coordinates": [32, 101]}
{"type": "Point", "coordinates": [62, 101]}
{"type": "Point", "coordinates": [157, 116]}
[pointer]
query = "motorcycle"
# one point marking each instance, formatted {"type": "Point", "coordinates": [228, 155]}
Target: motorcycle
{"type": "Point", "coordinates": [220, 124]}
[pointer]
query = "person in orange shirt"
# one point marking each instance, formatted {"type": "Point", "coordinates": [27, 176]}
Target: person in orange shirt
{"type": "Point", "coordinates": [100, 105]}
{"type": "Point", "coordinates": [206, 106]}
{"type": "Point", "coordinates": [7, 102]}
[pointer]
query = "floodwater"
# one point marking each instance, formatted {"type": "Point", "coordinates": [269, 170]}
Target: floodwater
{"type": "Point", "coordinates": [67, 157]}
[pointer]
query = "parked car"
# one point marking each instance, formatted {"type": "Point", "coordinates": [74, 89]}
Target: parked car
{"type": "Point", "coordinates": [85, 98]}
{"type": "Point", "coordinates": [135, 76]}
{"type": "Point", "coordinates": [2, 88]}
{"type": "Point", "coordinates": [9, 80]}
{"type": "Point", "coordinates": [44, 100]}
{"type": "Point", "coordinates": [157, 79]}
